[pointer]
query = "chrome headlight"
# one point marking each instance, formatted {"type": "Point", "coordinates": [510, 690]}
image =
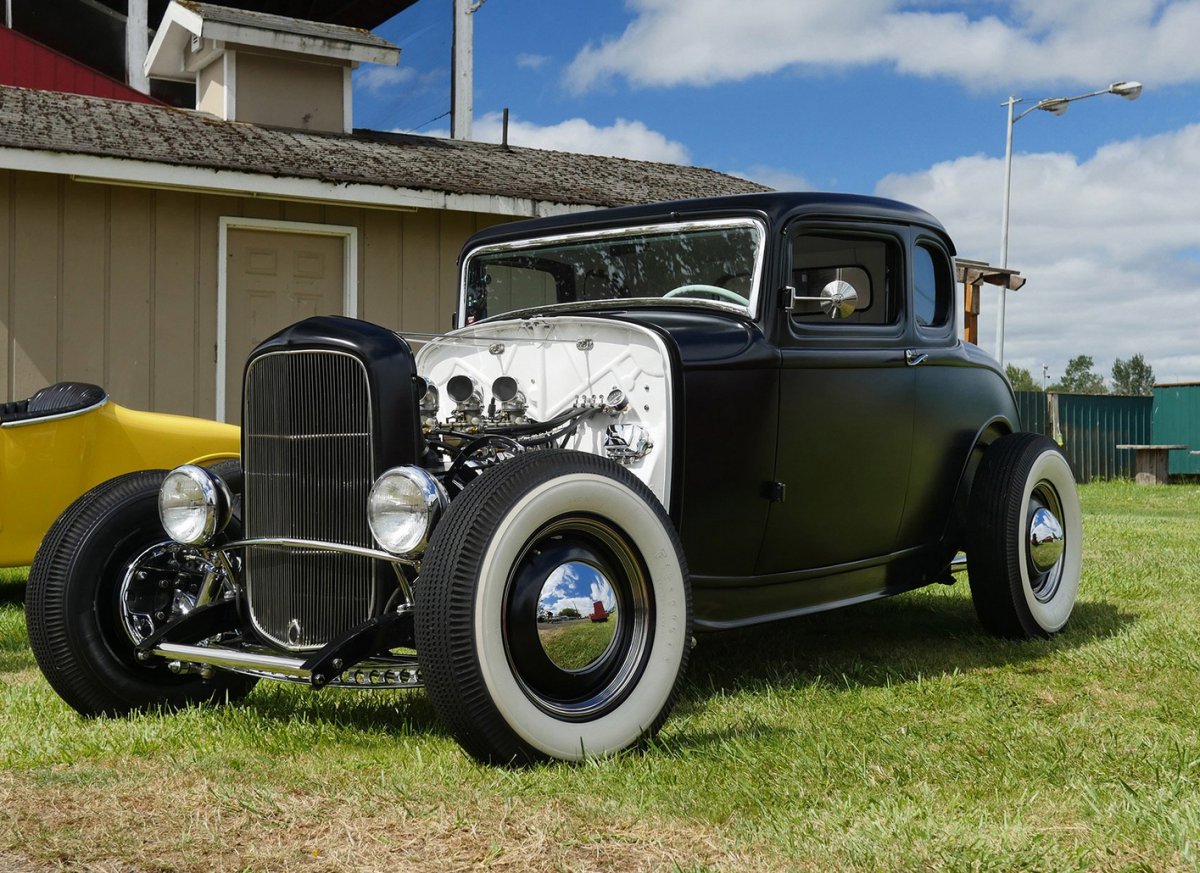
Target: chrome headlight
{"type": "Point", "coordinates": [404, 505]}
{"type": "Point", "coordinates": [194, 505]}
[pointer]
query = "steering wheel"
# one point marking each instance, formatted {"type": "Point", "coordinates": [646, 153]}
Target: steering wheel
{"type": "Point", "coordinates": [714, 290]}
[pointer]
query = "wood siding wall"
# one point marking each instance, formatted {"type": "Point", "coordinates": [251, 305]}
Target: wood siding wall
{"type": "Point", "coordinates": [118, 285]}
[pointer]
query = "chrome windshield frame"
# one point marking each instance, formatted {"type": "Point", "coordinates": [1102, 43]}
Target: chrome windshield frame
{"type": "Point", "coordinates": [757, 227]}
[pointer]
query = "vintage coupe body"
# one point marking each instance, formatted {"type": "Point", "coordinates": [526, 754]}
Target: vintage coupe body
{"type": "Point", "coordinates": [69, 437]}
{"type": "Point", "coordinates": [649, 422]}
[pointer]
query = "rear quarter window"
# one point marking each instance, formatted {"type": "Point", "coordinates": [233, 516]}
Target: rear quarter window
{"type": "Point", "coordinates": [933, 286]}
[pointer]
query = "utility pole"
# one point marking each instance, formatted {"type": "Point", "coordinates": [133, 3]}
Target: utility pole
{"type": "Point", "coordinates": [462, 99]}
{"type": "Point", "coordinates": [136, 33]}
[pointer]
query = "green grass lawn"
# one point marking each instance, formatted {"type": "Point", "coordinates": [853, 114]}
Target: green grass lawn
{"type": "Point", "coordinates": [891, 736]}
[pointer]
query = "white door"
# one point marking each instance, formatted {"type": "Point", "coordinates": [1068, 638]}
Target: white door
{"type": "Point", "coordinates": [274, 279]}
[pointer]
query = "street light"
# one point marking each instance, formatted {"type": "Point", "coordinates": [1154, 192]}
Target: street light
{"type": "Point", "coordinates": [1057, 106]}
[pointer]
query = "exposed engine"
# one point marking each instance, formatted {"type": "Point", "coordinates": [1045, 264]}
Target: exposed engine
{"type": "Point", "coordinates": [473, 436]}
{"type": "Point", "coordinates": [494, 390]}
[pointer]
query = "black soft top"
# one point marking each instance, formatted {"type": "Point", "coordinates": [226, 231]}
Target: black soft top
{"type": "Point", "coordinates": [775, 206]}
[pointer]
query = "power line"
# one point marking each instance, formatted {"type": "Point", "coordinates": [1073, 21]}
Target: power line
{"type": "Point", "coordinates": [432, 120]}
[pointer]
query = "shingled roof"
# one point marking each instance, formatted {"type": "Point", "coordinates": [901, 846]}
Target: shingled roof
{"type": "Point", "coordinates": [71, 124]}
{"type": "Point", "coordinates": [283, 24]}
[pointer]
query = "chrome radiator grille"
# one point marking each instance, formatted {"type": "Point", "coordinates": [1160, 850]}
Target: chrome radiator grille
{"type": "Point", "coordinates": [307, 456]}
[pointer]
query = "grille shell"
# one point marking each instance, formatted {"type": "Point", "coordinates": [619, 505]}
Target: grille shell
{"type": "Point", "coordinates": [308, 457]}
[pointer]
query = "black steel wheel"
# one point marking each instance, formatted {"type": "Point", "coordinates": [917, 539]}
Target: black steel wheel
{"type": "Point", "coordinates": [105, 577]}
{"type": "Point", "coordinates": [553, 614]}
{"type": "Point", "coordinates": [1024, 538]}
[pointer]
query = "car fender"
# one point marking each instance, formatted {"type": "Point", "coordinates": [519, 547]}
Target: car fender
{"type": "Point", "coordinates": [991, 431]}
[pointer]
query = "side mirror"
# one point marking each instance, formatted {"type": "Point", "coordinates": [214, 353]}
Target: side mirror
{"type": "Point", "coordinates": [838, 299]}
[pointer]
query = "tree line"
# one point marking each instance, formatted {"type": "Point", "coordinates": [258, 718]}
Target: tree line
{"type": "Point", "coordinates": [1133, 376]}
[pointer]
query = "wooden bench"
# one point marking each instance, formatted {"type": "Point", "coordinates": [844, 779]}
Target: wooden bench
{"type": "Point", "coordinates": [1151, 463]}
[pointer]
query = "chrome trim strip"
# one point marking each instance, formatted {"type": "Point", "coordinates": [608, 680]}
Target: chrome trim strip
{"type": "Point", "coordinates": [615, 232]}
{"type": "Point", "coordinates": [59, 417]}
{"type": "Point", "coordinates": [483, 342]}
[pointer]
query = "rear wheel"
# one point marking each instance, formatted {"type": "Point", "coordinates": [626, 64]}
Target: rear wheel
{"type": "Point", "coordinates": [1024, 537]}
{"type": "Point", "coordinates": [105, 577]}
{"type": "Point", "coordinates": [553, 611]}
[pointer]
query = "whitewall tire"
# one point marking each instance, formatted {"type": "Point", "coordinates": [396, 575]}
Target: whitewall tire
{"type": "Point", "coordinates": [513, 681]}
{"type": "Point", "coordinates": [1024, 537]}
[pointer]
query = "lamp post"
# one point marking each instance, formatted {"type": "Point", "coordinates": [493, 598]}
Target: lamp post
{"type": "Point", "coordinates": [1056, 105]}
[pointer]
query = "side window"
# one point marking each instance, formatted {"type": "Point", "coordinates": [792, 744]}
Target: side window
{"type": "Point", "coordinates": [933, 287]}
{"type": "Point", "coordinates": [870, 263]}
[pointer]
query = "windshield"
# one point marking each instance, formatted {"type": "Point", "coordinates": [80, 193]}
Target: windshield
{"type": "Point", "coordinates": [716, 262]}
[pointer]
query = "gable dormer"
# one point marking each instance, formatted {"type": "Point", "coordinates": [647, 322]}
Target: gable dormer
{"type": "Point", "coordinates": [265, 69]}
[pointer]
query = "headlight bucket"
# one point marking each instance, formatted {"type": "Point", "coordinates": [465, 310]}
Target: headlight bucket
{"type": "Point", "coordinates": [194, 505]}
{"type": "Point", "coordinates": [404, 506]}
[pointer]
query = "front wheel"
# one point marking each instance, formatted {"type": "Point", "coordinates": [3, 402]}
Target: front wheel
{"type": "Point", "coordinates": [1024, 537]}
{"type": "Point", "coordinates": [553, 611]}
{"type": "Point", "coordinates": [105, 577]}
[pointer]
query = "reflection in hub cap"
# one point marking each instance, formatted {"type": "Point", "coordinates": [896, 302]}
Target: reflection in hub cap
{"type": "Point", "coordinates": [1045, 539]}
{"type": "Point", "coordinates": [577, 616]}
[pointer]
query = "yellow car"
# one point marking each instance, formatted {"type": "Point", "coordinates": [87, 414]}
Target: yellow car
{"type": "Point", "coordinates": [69, 437]}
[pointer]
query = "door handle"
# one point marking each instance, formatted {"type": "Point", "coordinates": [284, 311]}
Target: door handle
{"type": "Point", "coordinates": [913, 358]}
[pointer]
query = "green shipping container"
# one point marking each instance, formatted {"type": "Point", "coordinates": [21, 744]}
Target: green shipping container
{"type": "Point", "coordinates": [1176, 421]}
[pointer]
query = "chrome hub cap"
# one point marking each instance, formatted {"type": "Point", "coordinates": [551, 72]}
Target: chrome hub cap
{"type": "Point", "coordinates": [577, 615]}
{"type": "Point", "coordinates": [1046, 541]}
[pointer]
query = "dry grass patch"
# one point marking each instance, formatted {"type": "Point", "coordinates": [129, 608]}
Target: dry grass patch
{"type": "Point", "coordinates": [183, 821]}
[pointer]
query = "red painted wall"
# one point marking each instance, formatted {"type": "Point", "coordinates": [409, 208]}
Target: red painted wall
{"type": "Point", "coordinates": [29, 64]}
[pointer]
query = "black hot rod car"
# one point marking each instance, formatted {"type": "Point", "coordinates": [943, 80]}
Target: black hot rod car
{"type": "Point", "coordinates": [649, 421]}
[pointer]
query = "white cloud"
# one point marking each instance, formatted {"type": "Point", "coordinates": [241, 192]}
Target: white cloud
{"type": "Point", "coordinates": [1108, 245]}
{"type": "Point", "coordinates": [582, 604]}
{"type": "Point", "coordinates": [775, 177]}
{"type": "Point", "coordinates": [1067, 41]}
{"type": "Point", "coordinates": [622, 138]}
{"type": "Point", "coordinates": [528, 61]}
{"type": "Point", "coordinates": [379, 78]}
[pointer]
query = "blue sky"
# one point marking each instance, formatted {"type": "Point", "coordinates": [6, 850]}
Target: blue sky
{"type": "Point", "coordinates": [900, 99]}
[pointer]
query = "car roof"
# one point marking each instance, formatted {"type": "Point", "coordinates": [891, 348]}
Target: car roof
{"type": "Point", "coordinates": [775, 206]}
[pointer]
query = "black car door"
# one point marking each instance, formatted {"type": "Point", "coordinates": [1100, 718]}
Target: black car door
{"type": "Point", "coordinates": [846, 401]}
